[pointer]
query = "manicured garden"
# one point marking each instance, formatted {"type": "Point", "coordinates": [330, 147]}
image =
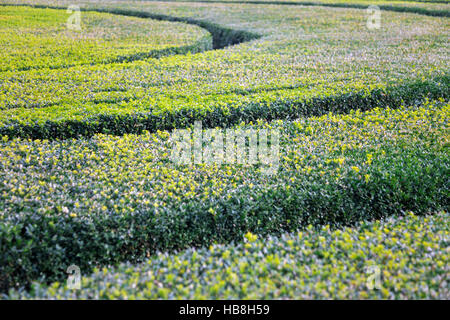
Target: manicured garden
{"type": "Point", "coordinates": [87, 176]}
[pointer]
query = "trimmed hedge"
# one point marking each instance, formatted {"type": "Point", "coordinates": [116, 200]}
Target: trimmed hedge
{"type": "Point", "coordinates": [103, 199]}
{"type": "Point", "coordinates": [222, 36]}
{"type": "Point", "coordinates": [104, 39]}
{"type": "Point", "coordinates": [134, 203]}
{"type": "Point", "coordinates": [394, 96]}
{"type": "Point", "coordinates": [353, 4]}
{"type": "Point", "coordinates": [281, 75]}
{"type": "Point", "coordinates": [398, 258]}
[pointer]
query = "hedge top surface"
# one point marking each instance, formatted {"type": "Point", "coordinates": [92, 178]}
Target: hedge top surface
{"type": "Point", "coordinates": [108, 199]}
{"type": "Point", "coordinates": [305, 52]}
{"type": "Point", "coordinates": [40, 38]}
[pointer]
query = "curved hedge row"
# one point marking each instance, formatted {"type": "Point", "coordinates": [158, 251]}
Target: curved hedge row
{"type": "Point", "coordinates": [278, 75]}
{"type": "Point", "coordinates": [228, 115]}
{"type": "Point", "coordinates": [103, 38]}
{"type": "Point", "coordinates": [108, 199]}
{"type": "Point", "coordinates": [439, 8]}
{"type": "Point", "coordinates": [407, 258]}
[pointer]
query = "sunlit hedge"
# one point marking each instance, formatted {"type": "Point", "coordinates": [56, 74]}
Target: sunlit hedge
{"type": "Point", "coordinates": [40, 39]}
{"type": "Point", "coordinates": [295, 61]}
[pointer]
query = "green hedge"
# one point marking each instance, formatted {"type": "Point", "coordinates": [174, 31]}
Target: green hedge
{"type": "Point", "coordinates": [42, 229]}
{"type": "Point", "coordinates": [222, 36]}
{"type": "Point", "coordinates": [383, 5]}
{"type": "Point", "coordinates": [173, 92]}
{"type": "Point", "coordinates": [394, 96]}
{"type": "Point", "coordinates": [411, 172]}
{"type": "Point", "coordinates": [406, 257]}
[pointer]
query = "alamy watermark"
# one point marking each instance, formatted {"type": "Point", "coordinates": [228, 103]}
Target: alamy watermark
{"type": "Point", "coordinates": [227, 146]}
{"type": "Point", "coordinates": [74, 20]}
{"type": "Point", "coordinates": [74, 278]}
{"type": "Point", "coordinates": [374, 17]}
{"type": "Point", "coordinates": [374, 278]}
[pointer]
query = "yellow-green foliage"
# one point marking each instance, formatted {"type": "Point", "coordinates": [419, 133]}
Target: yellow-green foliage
{"type": "Point", "coordinates": [113, 198]}
{"type": "Point", "coordinates": [39, 38]}
{"type": "Point", "coordinates": [306, 58]}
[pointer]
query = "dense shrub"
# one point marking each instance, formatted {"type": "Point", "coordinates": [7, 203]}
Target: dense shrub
{"type": "Point", "coordinates": [405, 257]}
{"type": "Point", "coordinates": [278, 75]}
{"type": "Point", "coordinates": [119, 124]}
{"type": "Point", "coordinates": [110, 199]}
{"type": "Point", "coordinates": [104, 38]}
